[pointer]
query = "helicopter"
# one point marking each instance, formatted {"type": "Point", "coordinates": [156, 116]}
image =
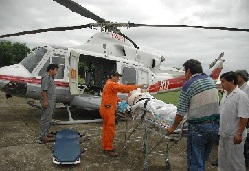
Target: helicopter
{"type": "Point", "coordinates": [81, 86]}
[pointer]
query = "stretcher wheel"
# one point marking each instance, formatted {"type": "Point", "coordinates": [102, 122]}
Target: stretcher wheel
{"type": "Point", "coordinates": [167, 165]}
{"type": "Point", "coordinates": [125, 151]}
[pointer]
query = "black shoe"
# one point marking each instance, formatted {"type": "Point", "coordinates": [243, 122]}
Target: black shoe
{"type": "Point", "coordinates": [215, 163]}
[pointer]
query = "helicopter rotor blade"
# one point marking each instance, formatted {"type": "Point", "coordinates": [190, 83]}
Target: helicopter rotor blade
{"type": "Point", "coordinates": [75, 7]}
{"type": "Point", "coordinates": [117, 25]}
{"type": "Point", "coordinates": [202, 27]}
{"type": "Point", "coordinates": [134, 44]}
{"type": "Point", "coordinates": [46, 30]}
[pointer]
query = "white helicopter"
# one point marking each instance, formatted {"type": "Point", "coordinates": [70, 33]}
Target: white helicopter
{"type": "Point", "coordinates": [100, 55]}
{"type": "Point", "coordinates": [83, 72]}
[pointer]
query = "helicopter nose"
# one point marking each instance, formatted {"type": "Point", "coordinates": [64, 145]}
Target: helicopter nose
{"type": "Point", "coordinates": [15, 70]}
{"type": "Point", "coordinates": [10, 80]}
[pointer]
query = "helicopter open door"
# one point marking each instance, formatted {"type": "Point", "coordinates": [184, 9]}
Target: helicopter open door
{"type": "Point", "coordinates": [73, 72]}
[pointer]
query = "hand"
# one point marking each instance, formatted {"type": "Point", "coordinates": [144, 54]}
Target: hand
{"type": "Point", "coordinates": [128, 108]}
{"type": "Point", "coordinates": [143, 90]}
{"type": "Point", "coordinates": [141, 86]}
{"type": "Point", "coordinates": [170, 130]}
{"type": "Point", "coordinates": [45, 104]}
{"type": "Point", "coordinates": [237, 139]}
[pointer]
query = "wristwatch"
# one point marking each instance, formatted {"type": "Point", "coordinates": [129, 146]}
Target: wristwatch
{"type": "Point", "coordinates": [239, 133]}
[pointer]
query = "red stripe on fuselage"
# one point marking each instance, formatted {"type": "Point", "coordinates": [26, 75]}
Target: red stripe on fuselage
{"type": "Point", "coordinates": [169, 84]}
{"type": "Point", "coordinates": [31, 80]}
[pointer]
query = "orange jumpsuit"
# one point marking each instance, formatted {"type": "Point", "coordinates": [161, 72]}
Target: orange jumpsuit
{"type": "Point", "coordinates": [108, 109]}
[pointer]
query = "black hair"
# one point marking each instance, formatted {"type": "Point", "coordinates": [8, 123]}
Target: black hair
{"type": "Point", "coordinates": [114, 73]}
{"type": "Point", "coordinates": [52, 67]}
{"type": "Point", "coordinates": [230, 76]}
{"type": "Point", "coordinates": [194, 66]}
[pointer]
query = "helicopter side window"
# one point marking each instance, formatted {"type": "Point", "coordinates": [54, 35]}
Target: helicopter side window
{"type": "Point", "coordinates": [43, 71]}
{"type": "Point", "coordinates": [31, 61]}
{"type": "Point", "coordinates": [60, 60]}
{"type": "Point", "coordinates": [129, 76]}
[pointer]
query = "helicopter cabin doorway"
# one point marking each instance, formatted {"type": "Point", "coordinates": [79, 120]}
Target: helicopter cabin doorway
{"type": "Point", "coordinates": [93, 73]}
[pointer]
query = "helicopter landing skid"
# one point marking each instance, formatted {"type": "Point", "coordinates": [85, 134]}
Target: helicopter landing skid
{"type": "Point", "coordinates": [72, 121]}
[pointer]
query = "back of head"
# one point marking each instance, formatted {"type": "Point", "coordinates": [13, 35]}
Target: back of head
{"type": "Point", "coordinates": [52, 67]}
{"type": "Point", "coordinates": [243, 74]}
{"type": "Point", "coordinates": [194, 66]}
{"type": "Point", "coordinates": [230, 76]}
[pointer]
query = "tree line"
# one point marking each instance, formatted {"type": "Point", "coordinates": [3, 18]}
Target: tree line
{"type": "Point", "coordinates": [12, 53]}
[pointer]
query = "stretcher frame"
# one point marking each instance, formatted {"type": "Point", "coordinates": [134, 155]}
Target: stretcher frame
{"type": "Point", "coordinates": [154, 127]}
{"type": "Point", "coordinates": [75, 138]}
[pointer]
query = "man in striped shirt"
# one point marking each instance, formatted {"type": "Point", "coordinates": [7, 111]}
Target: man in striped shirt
{"type": "Point", "coordinates": [199, 102]}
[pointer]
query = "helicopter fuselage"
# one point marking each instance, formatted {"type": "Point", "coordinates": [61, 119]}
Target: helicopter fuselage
{"type": "Point", "coordinates": [82, 72]}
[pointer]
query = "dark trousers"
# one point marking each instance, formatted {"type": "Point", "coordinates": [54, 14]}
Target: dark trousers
{"type": "Point", "coordinates": [246, 150]}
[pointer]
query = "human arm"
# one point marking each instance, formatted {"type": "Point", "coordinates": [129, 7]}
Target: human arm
{"type": "Point", "coordinates": [238, 136]}
{"type": "Point", "coordinates": [44, 87]}
{"type": "Point", "coordinates": [119, 100]}
{"type": "Point", "coordinates": [44, 99]}
{"type": "Point", "coordinates": [243, 114]}
{"type": "Point", "coordinates": [183, 106]}
{"type": "Point", "coordinates": [177, 121]}
{"type": "Point", "coordinates": [141, 86]}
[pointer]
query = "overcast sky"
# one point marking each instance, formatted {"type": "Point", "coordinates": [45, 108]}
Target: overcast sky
{"type": "Point", "coordinates": [175, 44]}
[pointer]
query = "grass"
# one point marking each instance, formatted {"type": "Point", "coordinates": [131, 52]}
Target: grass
{"type": "Point", "coordinates": [170, 97]}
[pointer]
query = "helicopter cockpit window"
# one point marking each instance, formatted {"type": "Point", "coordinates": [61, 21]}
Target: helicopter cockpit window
{"type": "Point", "coordinates": [31, 61]}
{"type": "Point", "coordinates": [129, 76]}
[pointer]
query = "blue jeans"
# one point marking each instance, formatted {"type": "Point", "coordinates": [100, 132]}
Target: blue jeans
{"type": "Point", "coordinates": [201, 138]}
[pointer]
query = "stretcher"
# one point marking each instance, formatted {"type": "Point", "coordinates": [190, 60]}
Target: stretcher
{"type": "Point", "coordinates": [67, 147]}
{"type": "Point", "coordinates": [151, 125]}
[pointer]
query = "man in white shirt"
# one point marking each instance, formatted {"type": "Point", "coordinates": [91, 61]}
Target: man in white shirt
{"type": "Point", "coordinates": [242, 76]}
{"type": "Point", "coordinates": [234, 114]}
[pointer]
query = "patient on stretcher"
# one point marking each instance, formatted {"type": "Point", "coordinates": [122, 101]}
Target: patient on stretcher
{"type": "Point", "coordinates": [142, 104]}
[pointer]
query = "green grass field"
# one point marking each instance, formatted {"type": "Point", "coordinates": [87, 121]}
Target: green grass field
{"type": "Point", "coordinates": [172, 97]}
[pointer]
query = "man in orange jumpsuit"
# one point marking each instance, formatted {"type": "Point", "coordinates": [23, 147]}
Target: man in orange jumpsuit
{"type": "Point", "coordinates": [108, 109]}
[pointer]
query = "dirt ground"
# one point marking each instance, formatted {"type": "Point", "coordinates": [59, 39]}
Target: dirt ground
{"type": "Point", "coordinates": [19, 149]}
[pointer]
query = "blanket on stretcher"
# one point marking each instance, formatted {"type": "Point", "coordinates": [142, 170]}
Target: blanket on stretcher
{"type": "Point", "coordinates": [151, 108]}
